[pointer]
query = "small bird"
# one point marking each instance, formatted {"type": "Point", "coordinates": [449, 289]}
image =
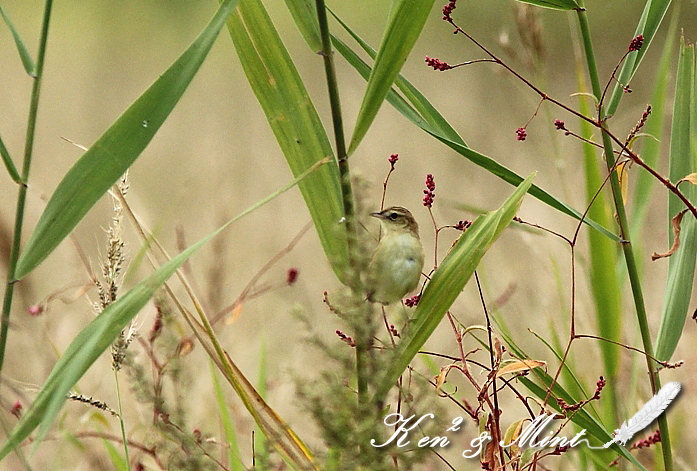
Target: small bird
{"type": "Point", "coordinates": [396, 266]}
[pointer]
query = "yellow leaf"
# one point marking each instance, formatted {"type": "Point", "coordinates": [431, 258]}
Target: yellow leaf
{"type": "Point", "coordinates": [675, 222]}
{"type": "Point", "coordinates": [623, 176]}
{"type": "Point", "coordinates": [692, 178]}
{"type": "Point", "coordinates": [518, 366]}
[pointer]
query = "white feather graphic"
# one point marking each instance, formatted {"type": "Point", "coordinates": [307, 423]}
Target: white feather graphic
{"type": "Point", "coordinates": [647, 414]}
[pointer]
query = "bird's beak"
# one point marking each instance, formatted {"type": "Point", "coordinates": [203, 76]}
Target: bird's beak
{"type": "Point", "coordinates": [377, 215]}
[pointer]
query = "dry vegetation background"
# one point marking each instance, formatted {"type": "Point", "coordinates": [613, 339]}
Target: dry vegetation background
{"type": "Point", "coordinates": [216, 155]}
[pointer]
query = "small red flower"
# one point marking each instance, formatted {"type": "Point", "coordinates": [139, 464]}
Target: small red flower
{"type": "Point", "coordinates": [292, 276]}
{"type": "Point", "coordinates": [437, 64]}
{"type": "Point", "coordinates": [393, 160]}
{"type": "Point", "coordinates": [462, 225]}
{"type": "Point", "coordinates": [559, 124]}
{"type": "Point", "coordinates": [35, 310]}
{"type": "Point", "coordinates": [448, 9]}
{"type": "Point", "coordinates": [521, 134]}
{"type": "Point", "coordinates": [636, 43]}
{"type": "Point", "coordinates": [413, 301]}
{"type": "Point", "coordinates": [16, 409]}
{"type": "Point", "coordinates": [429, 194]}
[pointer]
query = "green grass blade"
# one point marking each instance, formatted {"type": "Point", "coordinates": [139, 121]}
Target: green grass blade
{"type": "Point", "coordinates": [603, 254]}
{"type": "Point", "coordinates": [407, 19]}
{"type": "Point", "coordinates": [553, 4]}
{"type": "Point", "coordinates": [99, 334]}
{"type": "Point", "coordinates": [24, 55]}
{"type": "Point", "coordinates": [117, 461]}
{"type": "Point", "coordinates": [234, 463]}
{"type": "Point", "coordinates": [82, 352]}
{"type": "Point", "coordinates": [304, 14]}
{"type": "Point", "coordinates": [681, 268]}
{"type": "Point", "coordinates": [294, 121]}
{"type": "Point", "coordinates": [650, 20]}
{"type": "Point", "coordinates": [9, 164]}
{"type": "Point", "coordinates": [424, 109]}
{"type": "Point", "coordinates": [651, 148]}
{"type": "Point", "coordinates": [433, 123]}
{"type": "Point", "coordinates": [261, 443]}
{"type": "Point", "coordinates": [108, 158]}
{"type": "Point", "coordinates": [448, 281]}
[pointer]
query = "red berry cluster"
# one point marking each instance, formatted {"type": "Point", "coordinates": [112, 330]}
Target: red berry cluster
{"type": "Point", "coordinates": [345, 338]}
{"type": "Point", "coordinates": [448, 9]}
{"type": "Point", "coordinates": [462, 225]}
{"type": "Point", "coordinates": [429, 194]}
{"type": "Point", "coordinates": [393, 160]}
{"type": "Point", "coordinates": [648, 441]}
{"type": "Point", "coordinates": [521, 134]}
{"type": "Point", "coordinates": [636, 43]}
{"type": "Point", "coordinates": [413, 301]}
{"type": "Point", "coordinates": [598, 388]}
{"type": "Point", "coordinates": [559, 124]}
{"type": "Point", "coordinates": [437, 64]}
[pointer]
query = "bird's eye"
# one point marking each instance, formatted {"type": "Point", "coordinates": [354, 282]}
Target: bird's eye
{"type": "Point", "coordinates": [394, 216]}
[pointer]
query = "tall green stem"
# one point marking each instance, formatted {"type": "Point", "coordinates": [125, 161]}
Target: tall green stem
{"type": "Point", "coordinates": [22, 194]}
{"type": "Point", "coordinates": [627, 249]}
{"type": "Point", "coordinates": [362, 343]}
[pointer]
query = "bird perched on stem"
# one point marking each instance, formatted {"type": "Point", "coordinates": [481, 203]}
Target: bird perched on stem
{"type": "Point", "coordinates": [396, 266]}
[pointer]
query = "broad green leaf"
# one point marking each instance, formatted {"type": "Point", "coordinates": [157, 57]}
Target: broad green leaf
{"type": "Point", "coordinates": [681, 268]}
{"type": "Point", "coordinates": [554, 4]}
{"type": "Point", "coordinates": [448, 281]}
{"type": "Point", "coordinates": [431, 121]}
{"type": "Point", "coordinates": [422, 108]}
{"type": "Point", "coordinates": [603, 253]}
{"type": "Point", "coordinates": [108, 158]}
{"type": "Point", "coordinates": [27, 61]}
{"type": "Point", "coordinates": [304, 14]}
{"type": "Point", "coordinates": [98, 336]}
{"type": "Point", "coordinates": [650, 20]}
{"type": "Point", "coordinates": [9, 164]}
{"type": "Point", "coordinates": [294, 121]}
{"type": "Point", "coordinates": [407, 19]}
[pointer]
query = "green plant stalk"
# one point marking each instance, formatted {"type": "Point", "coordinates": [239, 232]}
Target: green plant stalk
{"type": "Point", "coordinates": [630, 261]}
{"type": "Point", "coordinates": [22, 194]}
{"type": "Point", "coordinates": [123, 426]}
{"type": "Point", "coordinates": [362, 343]}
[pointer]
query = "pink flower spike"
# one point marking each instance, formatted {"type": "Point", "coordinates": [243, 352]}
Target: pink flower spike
{"type": "Point", "coordinates": [636, 43]}
{"type": "Point", "coordinates": [429, 194]}
{"type": "Point", "coordinates": [521, 134]}
{"type": "Point", "coordinates": [437, 64]}
{"type": "Point", "coordinates": [448, 9]}
{"type": "Point", "coordinates": [393, 160]}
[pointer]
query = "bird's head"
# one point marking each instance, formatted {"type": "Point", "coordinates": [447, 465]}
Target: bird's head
{"type": "Point", "coordinates": [397, 219]}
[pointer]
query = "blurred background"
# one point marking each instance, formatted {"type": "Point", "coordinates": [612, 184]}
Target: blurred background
{"type": "Point", "coordinates": [216, 155]}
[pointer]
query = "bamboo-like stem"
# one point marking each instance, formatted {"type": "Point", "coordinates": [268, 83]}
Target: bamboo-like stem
{"type": "Point", "coordinates": [22, 193]}
{"type": "Point", "coordinates": [362, 337]}
{"type": "Point", "coordinates": [630, 261]}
